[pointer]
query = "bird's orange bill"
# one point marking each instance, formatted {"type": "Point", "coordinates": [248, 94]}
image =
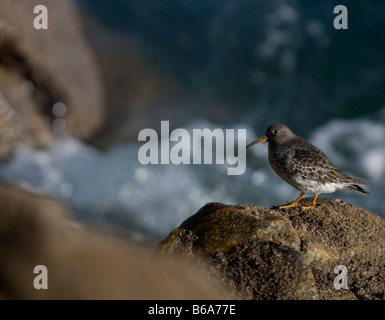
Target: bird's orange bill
{"type": "Point", "coordinates": [261, 139]}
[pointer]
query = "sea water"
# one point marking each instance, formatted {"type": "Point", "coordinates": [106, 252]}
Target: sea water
{"type": "Point", "coordinates": [112, 188]}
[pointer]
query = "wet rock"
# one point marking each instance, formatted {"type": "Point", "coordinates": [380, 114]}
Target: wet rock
{"type": "Point", "coordinates": [286, 254]}
{"type": "Point", "coordinates": [83, 262]}
{"type": "Point", "coordinates": [49, 79]}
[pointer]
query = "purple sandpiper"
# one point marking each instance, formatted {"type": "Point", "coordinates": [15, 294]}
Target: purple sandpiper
{"type": "Point", "coordinates": [304, 166]}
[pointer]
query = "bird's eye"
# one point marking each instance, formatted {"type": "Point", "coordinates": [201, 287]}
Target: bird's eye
{"type": "Point", "coordinates": [275, 131]}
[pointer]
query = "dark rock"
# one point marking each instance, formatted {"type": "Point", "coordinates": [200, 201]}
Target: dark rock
{"type": "Point", "coordinates": [285, 254]}
{"type": "Point", "coordinates": [39, 68]}
{"type": "Point", "coordinates": [83, 262]}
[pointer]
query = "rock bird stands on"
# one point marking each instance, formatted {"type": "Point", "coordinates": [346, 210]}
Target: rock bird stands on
{"type": "Point", "coordinates": [304, 166]}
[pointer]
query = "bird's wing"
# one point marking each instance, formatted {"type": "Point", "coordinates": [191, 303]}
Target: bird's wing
{"type": "Point", "coordinates": [312, 164]}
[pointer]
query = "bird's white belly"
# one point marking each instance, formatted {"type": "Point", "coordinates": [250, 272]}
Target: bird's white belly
{"type": "Point", "coordinates": [315, 187]}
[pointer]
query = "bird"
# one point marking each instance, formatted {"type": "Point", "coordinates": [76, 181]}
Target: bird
{"type": "Point", "coordinates": [304, 166]}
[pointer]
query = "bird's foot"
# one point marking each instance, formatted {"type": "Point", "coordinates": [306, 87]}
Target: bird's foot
{"type": "Point", "coordinates": [307, 207]}
{"type": "Point", "coordinates": [296, 204]}
{"type": "Point", "coordinates": [292, 205]}
{"type": "Point", "coordinates": [312, 205]}
{"type": "Point", "coordinates": [288, 205]}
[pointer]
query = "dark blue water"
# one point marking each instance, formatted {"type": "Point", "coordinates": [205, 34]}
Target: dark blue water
{"type": "Point", "coordinates": [269, 61]}
{"type": "Point", "coordinates": [253, 63]}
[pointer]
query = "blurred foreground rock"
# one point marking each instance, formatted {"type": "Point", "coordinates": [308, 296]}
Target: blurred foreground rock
{"type": "Point", "coordinates": [82, 262]}
{"type": "Point", "coordinates": [41, 68]}
{"type": "Point", "coordinates": [266, 253]}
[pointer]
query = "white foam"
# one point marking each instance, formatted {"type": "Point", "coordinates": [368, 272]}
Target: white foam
{"type": "Point", "coordinates": [114, 185]}
{"type": "Point", "coordinates": [154, 199]}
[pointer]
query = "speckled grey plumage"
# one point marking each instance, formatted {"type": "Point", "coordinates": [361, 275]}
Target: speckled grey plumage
{"type": "Point", "coordinates": [303, 165]}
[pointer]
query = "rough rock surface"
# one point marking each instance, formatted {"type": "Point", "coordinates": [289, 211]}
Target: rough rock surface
{"type": "Point", "coordinates": [39, 68]}
{"type": "Point", "coordinates": [83, 262]}
{"type": "Point", "coordinates": [264, 253]}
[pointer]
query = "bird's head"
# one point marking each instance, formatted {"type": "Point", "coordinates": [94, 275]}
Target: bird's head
{"type": "Point", "coordinates": [275, 134]}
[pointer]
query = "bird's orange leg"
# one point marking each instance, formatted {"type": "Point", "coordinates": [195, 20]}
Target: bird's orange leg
{"type": "Point", "coordinates": [312, 203]}
{"type": "Point", "coordinates": [292, 204]}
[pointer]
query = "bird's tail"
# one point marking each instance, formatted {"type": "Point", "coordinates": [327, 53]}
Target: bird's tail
{"type": "Point", "coordinates": [356, 187]}
{"type": "Point", "coordinates": [354, 184]}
